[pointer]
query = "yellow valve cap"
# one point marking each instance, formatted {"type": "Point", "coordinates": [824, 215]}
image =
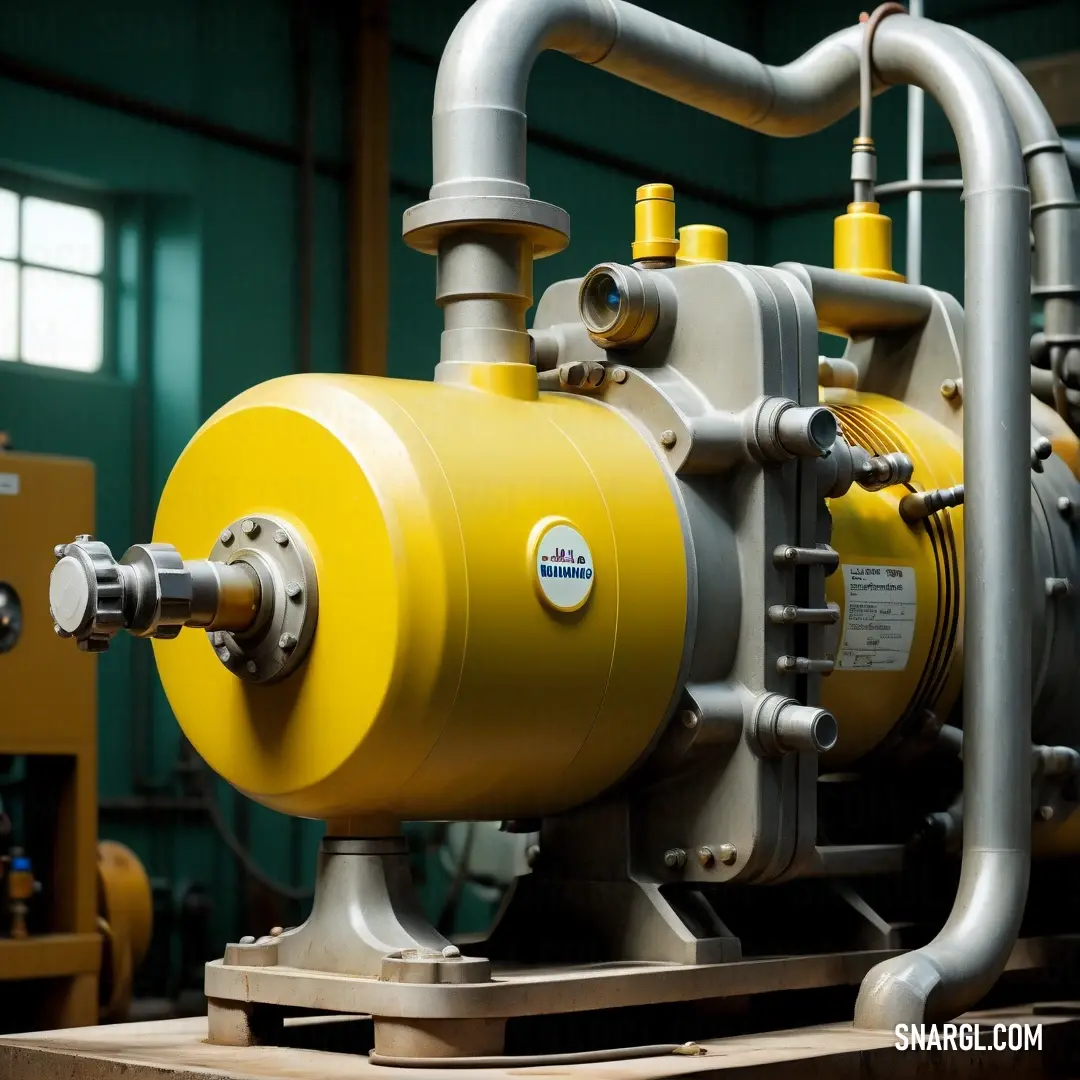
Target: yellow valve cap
{"type": "Point", "coordinates": [701, 244]}
{"type": "Point", "coordinates": [862, 242]}
{"type": "Point", "coordinates": [654, 223]}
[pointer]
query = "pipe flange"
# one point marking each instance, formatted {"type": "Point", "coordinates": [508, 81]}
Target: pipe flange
{"type": "Point", "coordinates": [546, 225]}
{"type": "Point", "coordinates": [278, 640]}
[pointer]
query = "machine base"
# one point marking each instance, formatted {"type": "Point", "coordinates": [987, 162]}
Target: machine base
{"type": "Point", "coordinates": [248, 1005]}
{"type": "Point", "coordinates": [178, 1048]}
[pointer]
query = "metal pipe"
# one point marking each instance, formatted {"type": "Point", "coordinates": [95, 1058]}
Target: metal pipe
{"type": "Point", "coordinates": [1055, 216]}
{"type": "Point", "coordinates": [907, 187]}
{"type": "Point", "coordinates": [966, 957]}
{"type": "Point", "coordinates": [916, 112]}
{"type": "Point", "coordinates": [862, 305]}
{"type": "Point", "coordinates": [479, 135]}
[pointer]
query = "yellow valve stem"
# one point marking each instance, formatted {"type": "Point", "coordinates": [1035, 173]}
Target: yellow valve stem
{"type": "Point", "coordinates": [862, 242]}
{"type": "Point", "coordinates": [701, 244]}
{"type": "Point", "coordinates": [654, 223]}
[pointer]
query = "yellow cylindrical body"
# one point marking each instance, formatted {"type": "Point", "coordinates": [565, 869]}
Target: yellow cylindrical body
{"type": "Point", "coordinates": [654, 223]}
{"type": "Point", "coordinates": [899, 651]}
{"type": "Point", "coordinates": [862, 242]}
{"type": "Point", "coordinates": [440, 683]}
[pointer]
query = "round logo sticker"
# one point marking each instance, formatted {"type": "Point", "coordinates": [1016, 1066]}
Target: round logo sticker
{"type": "Point", "coordinates": [564, 565]}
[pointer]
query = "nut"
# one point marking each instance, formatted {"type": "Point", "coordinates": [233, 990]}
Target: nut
{"type": "Point", "coordinates": [706, 857]}
{"type": "Point", "coordinates": [727, 853]}
{"type": "Point", "coordinates": [675, 858]}
{"type": "Point", "coordinates": [620, 375]}
{"type": "Point", "coordinates": [281, 537]}
{"type": "Point", "coordinates": [287, 642]}
{"type": "Point", "coordinates": [572, 374]}
{"type": "Point", "coordinates": [227, 536]}
{"type": "Point", "coordinates": [668, 439]}
{"type": "Point", "coordinates": [949, 389]}
{"type": "Point", "coordinates": [293, 589]}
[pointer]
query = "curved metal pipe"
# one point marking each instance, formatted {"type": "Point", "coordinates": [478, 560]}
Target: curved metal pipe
{"type": "Point", "coordinates": [479, 133]}
{"type": "Point", "coordinates": [1055, 215]}
{"type": "Point", "coordinates": [964, 960]}
{"type": "Point", "coordinates": [861, 305]}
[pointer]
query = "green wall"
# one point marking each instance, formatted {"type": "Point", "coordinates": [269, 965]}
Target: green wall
{"type": "Point", "coordinates": [207, 246]}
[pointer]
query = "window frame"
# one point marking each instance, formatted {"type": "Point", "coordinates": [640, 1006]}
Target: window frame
{"type": "Point", "coordinates": [107, 206]}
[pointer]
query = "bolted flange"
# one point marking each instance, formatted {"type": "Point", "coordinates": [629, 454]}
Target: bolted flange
{"type": "Point", "coordinates": [279, 638]}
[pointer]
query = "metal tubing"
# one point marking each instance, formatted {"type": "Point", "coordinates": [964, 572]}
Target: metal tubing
{"type": "Point", "coordinates": [479, 149]}
{"type": "Point", "coordinates": [963, 961]}
{"type": "Point", "coordinates": [916, 112]}
{"type": "Point", "coordinates": [1055, 215]}
{"type": "Point", "coordinates": [862, 305]}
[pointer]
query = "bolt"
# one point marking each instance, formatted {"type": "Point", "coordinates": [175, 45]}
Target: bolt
{"type": "Point", "coordinates": [572, 374]}
{"type": "Point", "coordinates": [620, 375]}
{"type": "Point", "coordinates": [252, 667]}
{"type": "Point", "coordinates": [1041, 449]}
{"type": "Point", "coordinates": [217, 638]}
{"type": "Point", "coordinates": [532, 853]}
{"type": "Point", "coordinates": [451, 952]}
{"type": "Point", "coordinates": [689, 719]}
{"type": "Point", "coordinates": [83, 538]}
{"type": "Point", "coordinates": [1056, 586]}
{"type": "Point", "coordinates": [1046, 813]}
{"type": "Point", "coordinates": [293, 589]}
{"type": "Point", "coordinates": [1065, 507]}
{"type": "Point", "coordinates": [227, 536]}
{"type": "Point", "coordinates": [247, 939]}
{"type": "Point", "coordinates": [675, 858]}
{"type": "Point", "coordinates": [791, 554]}
{"type": "Point", "coordinates": [287, 642]}
{"type": "Point", "coordinates": [705, 856]}
{"type": "Point", "coordinates": [281, 537]}
{"type": "Point", "coordinates": [668, 439]}
{"type": "Point", "coordinates": [58, 551]}
{"type": "Point", "coordinates": [949, 389]}
{"type": "Point", "coordinates": [277, 931]}
{"type": "Point", "coordinates": [727, 853]}
{"type": "Point", "coordinates": [224, 655]}
{"type": "Point", "coordinates": [250, 528]}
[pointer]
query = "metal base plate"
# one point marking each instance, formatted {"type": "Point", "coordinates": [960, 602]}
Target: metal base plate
{"type": "Point", "coordinates": [514, 992]}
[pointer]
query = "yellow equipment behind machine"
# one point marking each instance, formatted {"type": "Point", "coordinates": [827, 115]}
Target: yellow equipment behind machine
{"type": "Point", "coordinates": [51, 869]}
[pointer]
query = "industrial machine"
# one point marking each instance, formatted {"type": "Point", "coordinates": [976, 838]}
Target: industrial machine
{"type": "Point", "coordinates": [74, 917]}
{"type": "Point", "coordinates": [775, 654]}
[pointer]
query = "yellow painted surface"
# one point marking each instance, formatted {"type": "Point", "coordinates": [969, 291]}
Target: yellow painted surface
{"type": "Point", "coordinates": [49, 713]}
{"type": "Point", "coordinates": [654, 223]}
{"type": "Point", "coordinates": [701, 244]}
{"type": "Point", "coordinates": [862, 242]}
{"type": "Point", "coordinates": [868, 530]}
{"type": "Point", "coordinates": [438, 684]}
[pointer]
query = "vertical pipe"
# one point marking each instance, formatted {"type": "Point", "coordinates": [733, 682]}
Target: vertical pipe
{"type": "Point", "coordinates": [916, 110]}
{"type": "Point", "coordinates": [369, 192]}
{"type": "Point", "coordinates": [303, 86]}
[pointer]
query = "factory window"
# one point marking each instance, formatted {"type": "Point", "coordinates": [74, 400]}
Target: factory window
{"type": "Point", "coordinates": [52, 282]}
